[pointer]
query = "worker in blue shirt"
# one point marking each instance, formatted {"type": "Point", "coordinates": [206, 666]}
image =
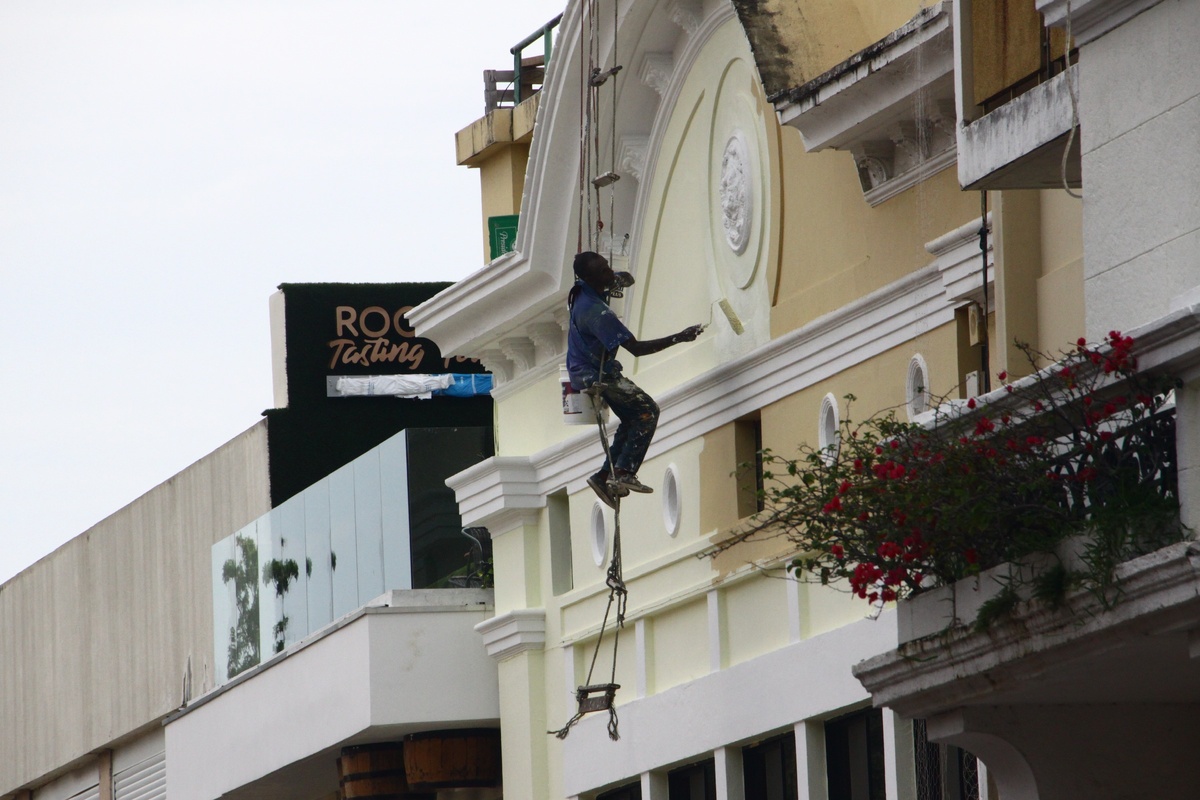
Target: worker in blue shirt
{"type": "Point", "coordinates": [594, 335]}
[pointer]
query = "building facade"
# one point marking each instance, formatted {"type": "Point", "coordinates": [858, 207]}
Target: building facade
{"type": "Point", "coordinates": [802, 163]}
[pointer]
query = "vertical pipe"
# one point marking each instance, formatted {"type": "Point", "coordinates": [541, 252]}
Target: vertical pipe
{"type": "Point", "coordinates": [985, 365]}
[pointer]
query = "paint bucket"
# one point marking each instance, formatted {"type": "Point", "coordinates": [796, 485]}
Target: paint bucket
{"type": "Point", "coordinates": [577, 408]}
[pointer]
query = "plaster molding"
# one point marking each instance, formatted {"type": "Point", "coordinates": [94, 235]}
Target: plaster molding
{"type": "Point", "coordinates": [496, 361]}
{"type": "Point", "coordinates": [632, 149]}
{"type": "Point", "coordinates": [517, 631]}
{"type": "Point", "coordinates": [875, 87]}
{"type": "Point", "coordinates": [656, 70]}
{"type": "Point", "coordinates": [520, 351]}
{"type": "Point", "coordinates": [548, 340]}
{"type": "Point", "coordinates": [1091, 19]}
{"type": "Point", "coordinates": [906, 180]}
{"type": "Point", "coordinates": [736, 192]}
{"type": "Point", "coordinates": [891, 105]}
{"type": "Point", "coordinates": [684, 14]}
{"type": "Point", "coordinates": [501, 493]}
{"type": "Point", "coordinates": [956, 257]}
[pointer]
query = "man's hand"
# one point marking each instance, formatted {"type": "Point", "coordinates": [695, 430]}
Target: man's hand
{"type": "Point", "coordinates": [645, 348]}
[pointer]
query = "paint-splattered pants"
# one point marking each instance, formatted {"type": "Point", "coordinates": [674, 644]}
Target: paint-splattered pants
{"type": "Point", "coordinates": [639, 417]}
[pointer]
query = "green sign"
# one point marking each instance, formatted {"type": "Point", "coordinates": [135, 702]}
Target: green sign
{"type": "Point", "coordinates": [502, 233]}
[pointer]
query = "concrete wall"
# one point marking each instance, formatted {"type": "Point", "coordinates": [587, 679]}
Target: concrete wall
{"type": "Point", "coordinates": [101, 631]}
{"type": "Point", "coordinates": [1140, 106]}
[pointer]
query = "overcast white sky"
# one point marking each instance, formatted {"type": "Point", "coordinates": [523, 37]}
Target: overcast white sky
{"type": "Point", "coordinates": [164, 165]}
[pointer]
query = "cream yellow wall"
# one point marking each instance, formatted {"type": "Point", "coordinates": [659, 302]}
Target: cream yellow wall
{"type": "Point", "coordinates": [501, 180]}
{"type": "Point", "coordinates": [683, 257]}
{"type": "Point", "coordinates": [1060, 286]}
{"type": "Point", "coordinates": [753, 622]}
{"type": "Point", "coordinates": [837, 248]}
{"type": "Point", "coordinates": [1039, 278]}
{"type": "Point", "coordinates": [878, 385]}
{"type": "Point", "coordinates": [530, 418]}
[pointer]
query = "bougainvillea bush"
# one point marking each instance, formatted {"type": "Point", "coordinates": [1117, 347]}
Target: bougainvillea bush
{"type": "Point", "coordinates": [1080, 448]}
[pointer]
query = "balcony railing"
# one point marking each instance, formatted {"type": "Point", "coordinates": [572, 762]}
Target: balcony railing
{"type": "Point", "coordinates": [384, 521]}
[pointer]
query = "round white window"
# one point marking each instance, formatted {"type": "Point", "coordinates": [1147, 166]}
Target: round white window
{"type": "Point", "coordinates": [916, 387]}
{"type": "Point", "coordinates": [829, 438]}
{"type": "Point", "coordinates": [599, 535]}
{"type": "Point", "coordinates": [671, 501]}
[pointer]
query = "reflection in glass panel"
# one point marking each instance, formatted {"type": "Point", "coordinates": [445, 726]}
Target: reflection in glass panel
{"type": "Point", "coordinates": [239, 623]}
{"type": "Point", "coordinates": [224, 613]}
{"type": "Point", "coordinates": [316, 555]}
{"type": "Point", "coordinates": [385, 521]}
{"type": "Point", "coordinates": [288, 574]}
{"type": "Point", "coordinates": [343, 558]}
{"type": "Point", "coordinates": [439, 550]}
{"type": "Point", "coordinates": [270, 604]}
{"type": "Point", "coordinates": [368, 526]}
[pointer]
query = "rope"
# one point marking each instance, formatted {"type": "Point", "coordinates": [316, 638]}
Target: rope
{"type": "Point", "coordinates": [617, 593]}
{"type": "Point", "coordinates": [1074, 109]}
{"type": "Point", "coordinates": [589, 166]}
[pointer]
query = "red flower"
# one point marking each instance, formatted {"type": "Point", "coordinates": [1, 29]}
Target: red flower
{"type": "Point", "coordinates": [970, 555]}
{"type": "Point", "coordinates": [1081, 341]}
{"type": "Point", "coordinates": [1002, 375]}
{"type": "Point", "coordinates": [837, 551]}
{"type": "Point", "coordinates": [970, 402]}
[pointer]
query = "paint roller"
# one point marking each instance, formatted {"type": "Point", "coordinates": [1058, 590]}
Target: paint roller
{"type": "Point", "coordinates": [730, 315]}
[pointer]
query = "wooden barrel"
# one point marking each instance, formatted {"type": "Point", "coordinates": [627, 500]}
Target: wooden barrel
{"type": "Point", "coordinates": [376, 772]}
{"type": "Point", "coordinates": [468, 757]}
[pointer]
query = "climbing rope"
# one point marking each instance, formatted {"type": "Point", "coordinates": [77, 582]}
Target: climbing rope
{"type": "Point", "coordinates": [599, 697]}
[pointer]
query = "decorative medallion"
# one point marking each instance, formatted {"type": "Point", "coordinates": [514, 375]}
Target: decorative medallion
{"type": "Point", "coordinates": [737, 199]}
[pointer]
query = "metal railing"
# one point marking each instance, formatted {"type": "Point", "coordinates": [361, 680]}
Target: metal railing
{"type": "Point", "coordinates": [527, 74]}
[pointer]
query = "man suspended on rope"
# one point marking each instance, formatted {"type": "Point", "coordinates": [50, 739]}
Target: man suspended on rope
{"type": "Point", "coordinates": [592, 341]}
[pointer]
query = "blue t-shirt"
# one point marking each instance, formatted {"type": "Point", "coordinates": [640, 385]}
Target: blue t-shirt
{"type": "Point", "coordinates": [594, 331]}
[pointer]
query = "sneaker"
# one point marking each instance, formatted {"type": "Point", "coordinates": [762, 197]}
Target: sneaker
{"type": "Point", "coordinates": [600, 486]}
{"type": "Point", "coordinates": [630, 482]}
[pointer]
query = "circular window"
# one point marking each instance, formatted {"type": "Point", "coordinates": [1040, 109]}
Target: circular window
{"type": "Point", "coordinates": [916, 387]}
{"type": "Point", "coordinates": [599, 535]}
{"type": "Point", "coordinates": [829, 438]}
{"type": "Point", "coordinates": [670, 500]}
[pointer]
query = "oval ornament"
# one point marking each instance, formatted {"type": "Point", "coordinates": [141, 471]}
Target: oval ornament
{"type": "Point", "coordinates": [736, 193]}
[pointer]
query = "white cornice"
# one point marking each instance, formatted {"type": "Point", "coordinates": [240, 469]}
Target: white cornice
{"type": "Point", "coordinates": [514, 632]}
{"type": "Point", "coordinates": [1091, 19]}
{"type": "Point", "coordinates": [891, 105]}
{"type": "Point", "coordinates": [849, 100]}
{"type": "Point", "coordinates": [957, 254]}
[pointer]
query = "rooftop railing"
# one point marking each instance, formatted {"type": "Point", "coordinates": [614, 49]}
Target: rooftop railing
{"type": "Point", "coordinates": [506, 88]}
